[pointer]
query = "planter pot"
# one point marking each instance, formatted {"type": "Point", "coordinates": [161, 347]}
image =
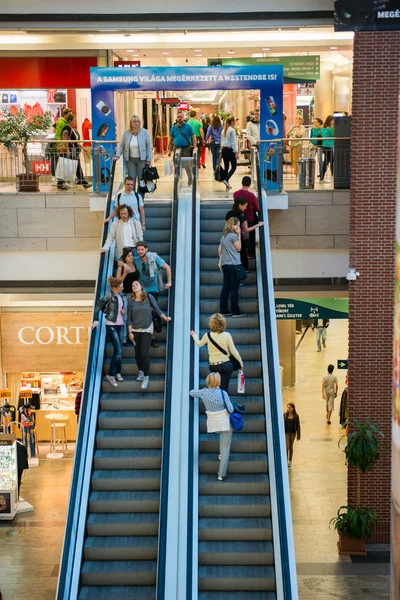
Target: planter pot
{"type": "Point", "coordinates": [28, 182]}
{"type": "Point", "coordinates": [159, 145]}
{"type": "Point", "coordinates": [165, 143]}
{"type": "Point", "coordinates": [347, 545]}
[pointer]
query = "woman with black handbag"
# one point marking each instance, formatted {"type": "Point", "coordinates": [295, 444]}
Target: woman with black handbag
{"type": "Point", "coordinates": [140, 328]}
{"type": "Point", "coordinates": [232, 268]}
{"type": "Point", "coordinates": [222, 353]}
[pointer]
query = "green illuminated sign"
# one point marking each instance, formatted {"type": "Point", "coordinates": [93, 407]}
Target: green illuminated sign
{"type": "Point", "coordinates": [311, 308]}
{"type": "Point", "coordinates": [296, 69]}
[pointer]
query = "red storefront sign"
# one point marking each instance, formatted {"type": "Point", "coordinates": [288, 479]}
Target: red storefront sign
{"type": "Point", "coordinates": [41, 167]}
{"type": "Point", "coordinates": [36, 72]}
{"type": "Point", "coordinates": [183, 106]}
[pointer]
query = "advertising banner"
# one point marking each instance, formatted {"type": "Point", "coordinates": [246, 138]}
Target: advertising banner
{"type": "Point", "coordinates": [311, 308]}
{"type": "Point", "coordinates": [267, 78]}
{"type": "Point", "coordinates": [367, 15]}
{"type": "Point", "coordinates": [296, 69]}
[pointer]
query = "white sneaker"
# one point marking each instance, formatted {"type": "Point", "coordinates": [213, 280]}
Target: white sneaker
{"type": "Point", "coordinates": [145, 382]}
{"type": "Point", "coordinates": [119, 377]}
{"type": "Point", "coordinates": [111, 380]}
{"type": "Point", "coordinates": [140, 377]}
{"type": "Point", "coordinates": [289, 464]}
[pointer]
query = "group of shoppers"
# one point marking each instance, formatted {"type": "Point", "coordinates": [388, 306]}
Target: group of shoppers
{"type": "Point", "coordinates": [320, 135]}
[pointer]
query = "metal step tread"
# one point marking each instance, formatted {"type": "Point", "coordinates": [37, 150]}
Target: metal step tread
{"type": "Point", "coordinates": [234, 500]}
{"type": "Point", "coordinates": [121, 542]}
{"type": "Point", "coordinates": [131, 414]}
{"type": "Point", "coordinates": [138, 396]}
{"type": "Point", "coordinates": [120, 496]}
{"type": "Point", "coordinates": [247, 595]}
{"type": "Point", "coordinates": [119, 566]}
{"type": "Point", "coordinates": [117, 592]}
{"type": "Point", "coordinates": [239, 547]}
{"type": "Point", "coordinates": [126, 474]}
{"type": "Point", "coordinates": [238, 478]}
{"type": "Point", "coordinates": [233, 523]}
{"type": "Point", "coordinates": [129, 433]}
{"type": "Point", "coordinates": [236, 457]}
{"type": "Point", "coordinates": [236, 571]}
{"type": "Point", "coordinates": [127, 453]}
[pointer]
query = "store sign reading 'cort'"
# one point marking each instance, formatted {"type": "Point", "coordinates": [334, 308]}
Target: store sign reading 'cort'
{"type": "Point", "coordinates": [44, 341]}
{"type": "Point", "coordinates": [48, 335]}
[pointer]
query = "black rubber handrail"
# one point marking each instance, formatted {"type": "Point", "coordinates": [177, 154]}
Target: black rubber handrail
{"type": "Point", "coordinates": [287, 575]}
{"type": "Point", "coordinates": [166, 438]}
{"type": "Point", "coordinates": [77, 482]}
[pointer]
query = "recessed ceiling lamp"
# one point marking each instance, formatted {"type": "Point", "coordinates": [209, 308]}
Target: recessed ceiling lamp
{"type": "Point", "coordinates": [131, 50]}
{"type": "Point", "coordinates": [198, 51]}
{"type": "Point", "coordinates": [265, 49]}
{"type": "Point", "coordinates": [333, 48]}
{"type": "Point", "coordinates": [165, 52]}
{"type": "Point", "coordinates": [231, 52]}
{"type": "Point", "coordinates": [90, 34]}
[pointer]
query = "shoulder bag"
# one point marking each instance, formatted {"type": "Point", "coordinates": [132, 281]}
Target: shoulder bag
{"type": "Point", "coordinates": [157, 323]}
{"type": "Point", "coordinates": [240, 272]}
{"type": "Point", "coordinates": [235, 363]}
{"type": "Point", "coordinates": [150, 173]}
{"type": "Point", "coordinates": [235, 418]}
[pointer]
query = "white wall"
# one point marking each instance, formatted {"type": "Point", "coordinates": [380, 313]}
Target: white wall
{"type": "Point", "coordinates": [310, 263]}
{"type": "Point", "coordinates": [49, 266]}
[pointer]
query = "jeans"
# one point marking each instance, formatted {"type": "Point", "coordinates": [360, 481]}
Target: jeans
{"type": "Point", "coordinates": [142, 351]}
{"type": "Point", "coordinates": [327, 154]}
{"type": "Point", "coordinates": [225, 439]}
{"type": "Point", "coordinates": [135, 168]}
{"type": "Point", "coordinates": [186, 152]}
{"type": "Point", "coordinates": [290, 437]}
{"type": "Point", "coordinates": [215, 151]}
{"type": "Point", "coordinates": [320, 334]}
{"type": "Point", "coordinates": [115, 334]}
{"type": "Point", "coordinates": [225, 369]}
{"type": "Point", "coordinates": [229, 158]}
{"type": "Point", "coordinates": [28, 437]}
{"type": "Point", "coordinates": [319, 160]}
{"type": "Point", "coordinates": [229, 286]}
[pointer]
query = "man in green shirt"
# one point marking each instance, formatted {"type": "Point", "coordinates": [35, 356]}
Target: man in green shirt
{"type": "Point", "coordinates": [197, 127]}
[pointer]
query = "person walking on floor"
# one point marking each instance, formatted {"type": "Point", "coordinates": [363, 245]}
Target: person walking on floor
{"type": "Point", "coordinates": [140, 328]}
{"type": "Point", "coordinates": [250, 212]}
{"type": "Point", "coordinates": [220, 347]}
{"type": "Point", "coordinates": [229, 149]}
{"type": "Point", "coordinates": [328, 131]}
{"type": "Point", "coordinates": [183, 137]}
{"type": "Point", "coordinates": [213, 138]}
{"type": "Point", "coordinates": [295, 144]}
{"type": "Point", "coordinates": [316, 132]}
{"type": "Point", "coordinates": [136, 148]}
{"type": "Point", "coordinates": [229, 251]}
{"type": "Point", "coordinates": [329, 392]}
{"type": "Point", "coordinates": [130, 198]}
{"type": "Point", "coordinates": [292, 430]}
{"type": "Point", "coordinates": [148, 264]}
{"type": "Point", "coordinates": [113, 305]}
{"type": "Point", "coordinates": [218, 407]}
{"type": "Point", "coordinates": [197, 125]}
{"type": "Point", "coordinates": [320, 326]}
{"type": "Point", "coordinates": [73, 150]}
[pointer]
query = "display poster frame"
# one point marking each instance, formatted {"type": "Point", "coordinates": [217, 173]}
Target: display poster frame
{"type": "Point", "coordinates": [266, 78]}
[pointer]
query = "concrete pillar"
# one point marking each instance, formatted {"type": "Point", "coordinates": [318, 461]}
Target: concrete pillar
{"type": "Point", "coordinates": [323, 92]}
{"type": "Point", "coordinates": [287, 350]}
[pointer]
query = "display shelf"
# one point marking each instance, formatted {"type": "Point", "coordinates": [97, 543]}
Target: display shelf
{"type": "Point", "coordinates": [8, 481]}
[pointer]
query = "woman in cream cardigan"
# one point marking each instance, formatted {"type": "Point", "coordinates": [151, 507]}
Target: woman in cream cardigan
{"type": "Point", "coordinates": [218, 407]}
{"type": "Point", "coordinates": [219, 361]}
{"type": "Point", "coordinates": [136, 148]}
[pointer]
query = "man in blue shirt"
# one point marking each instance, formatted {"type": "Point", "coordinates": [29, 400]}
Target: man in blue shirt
{"type": "Point", "coordinates": [148, 265]}
{"type": "Point", "coordinates": [183, 137]}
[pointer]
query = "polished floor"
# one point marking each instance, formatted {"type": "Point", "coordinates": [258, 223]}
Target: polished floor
{"type": "Point", "coordinates": [30, 546]}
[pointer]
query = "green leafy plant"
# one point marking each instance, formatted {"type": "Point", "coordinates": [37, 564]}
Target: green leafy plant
{"type": "Point", "coordinates": [16, 128]}
{"type": "Point", "coordinates": [362, 450]}
{"type": "Point", "coordinates": [355, 522]}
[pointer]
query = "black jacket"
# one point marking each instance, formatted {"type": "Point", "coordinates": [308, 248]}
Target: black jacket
{"type": "Point", "coordinates": [297, 424]}
{"type": "Point", "coordinates": [315, 323]}
{"type": "Point", "coordinates": [108, 304]}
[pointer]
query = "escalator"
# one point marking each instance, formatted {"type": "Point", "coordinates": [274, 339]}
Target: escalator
{"type": "Point", "coordinates": [114, 534]}
{"type": "Point", "coordinates": [244, 546]}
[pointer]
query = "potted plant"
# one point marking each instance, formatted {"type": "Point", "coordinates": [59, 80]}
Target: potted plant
{"type": "Point", "coordinates": [361, 451]}
{"type": "Point", "coordinates": [16, 129]}
{"type": "Point", "coordinates": [354, 525]}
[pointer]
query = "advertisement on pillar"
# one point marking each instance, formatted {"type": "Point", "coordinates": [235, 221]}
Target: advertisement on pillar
{"type": "Point", "coordinates": [267, 78]}
{"type": "Point", "coordinates": [367, 15]}
{"type": "Point", "coordinates": [103, 115]}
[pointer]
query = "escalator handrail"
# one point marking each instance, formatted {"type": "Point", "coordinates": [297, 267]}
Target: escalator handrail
{"type": "Point", "coordinates": [285, 563]}
{"type": "Point", "coordinates": [193, 482]}
{"type": "Point", "coordinates": [76, 514]}
{"type": "Point", "coordinates": [166, 437]}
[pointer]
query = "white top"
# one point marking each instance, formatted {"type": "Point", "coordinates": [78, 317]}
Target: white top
{"type": "Point", "coordinates": [128, 241]}
{"type": "Point", "coordinates": [229, 140]}
{"type": "Point", "coordinates": [134, 147]}
{"type": "Point", "coordinates": [130, 200]}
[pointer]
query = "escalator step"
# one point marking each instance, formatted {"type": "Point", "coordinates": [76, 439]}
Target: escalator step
{"type": "Point", "coordinates": [237, 578]}
{"type": "Point", "coordinates": [236, 483]}
{"type": "Point", "coordinates": [131, 419]}
{"type": "Point", "coordinates": [126, 479]}
{"type": "Point", "coordinates": [127, 459]}
{"type": "Point", "coordinates": [254, 462]}
{"type": "Point", "coordinates": [252, 423]}
{"type": "Point", "coordinates": [236, 553]}
{"type": "Point", "coordinates": [128, 438]}
{"type": "Point", "coordinates": [123, 524]}
{"type": "Point", "coordinates": [250, 322]}
{"type": "Point", "coordinates": [253, 404]}
{"type": "Point", "coordinates": [132, 402]}
{"type": "Point", "coordinates": [241, 442]}
{"type": "Point", "coordinates": [129, 350]}
{"type": "Point", "coordinates": [121, 548]}
{"type": "Point", "coordinates": [124, 502]}
{"type": "Point", "coordinates": [129, 367]}
{"type": "Point", "coordinates": [130, 385]}
{"type": "Point", "coordinates": [139, 592]}
{"type": "Point", "coordinates": [119, 572]}
{"type": "Point", "coordinates": [235, 529]}
{"type": "Point", "coordinates": [234, 506]}
{"type": "Point", "coordinates": [248, 595]}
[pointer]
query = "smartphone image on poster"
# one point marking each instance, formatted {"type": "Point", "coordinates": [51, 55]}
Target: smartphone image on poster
{"type": "Point", "coordinates": [104, 153]}
{"type": "Point", "coordinates": [103, 130]}
{"type": "Point", "coordinates": [271, 105]}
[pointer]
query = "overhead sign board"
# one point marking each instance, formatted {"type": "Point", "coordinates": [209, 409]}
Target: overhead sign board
{"type": "Point", "coordinates": [367, 15]}
{"type": "Point", "coordinates": [170, 101]}
{"type": "Point", "coordinates": [311, 308]}
{"type": "Point", "coordinates": [296, 69]}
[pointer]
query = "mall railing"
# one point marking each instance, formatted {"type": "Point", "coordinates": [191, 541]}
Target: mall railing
{"type": "Point", "coordinates": [69, 575]}
{"type": "Point", "coordinates": [301, 167]}
{"type": "Point", "coordinates": [37, 166]}
{"type": "Point", "coordinates": [281, 514]}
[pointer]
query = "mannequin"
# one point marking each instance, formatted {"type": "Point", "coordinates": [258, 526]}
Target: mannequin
{"type": "Point", "coordinates": [27, 417]}
{"type": "Point", "coordinates": [7, 413]}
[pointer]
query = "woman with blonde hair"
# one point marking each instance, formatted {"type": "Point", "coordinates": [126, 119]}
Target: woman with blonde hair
{"type": "Point", "coordinates": [213, 138]}
{"type": "Point", "coordinates": [229, 150]}
{"type": "Point", "coordinates": [296, 132]}
{"type": "Point", "coordinates": [229, 250]}
{"type": "Point", "coordinates": [136, 148]}
{"type": "Point", "coordinates": [218, 408]}
{"type": "Point", "coordinates": [113, 305]}
{"type": "Point", "coordinates": [140, 328]}
{"type": "Point", "coordinates": [220, 348]}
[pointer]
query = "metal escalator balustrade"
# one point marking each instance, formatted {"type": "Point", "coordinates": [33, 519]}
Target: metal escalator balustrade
{"type": "Point", "coordinates": [127, 490]}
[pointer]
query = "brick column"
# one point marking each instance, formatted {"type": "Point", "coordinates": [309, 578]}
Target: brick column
{"type": "Point", "coordinates": [374, 155]}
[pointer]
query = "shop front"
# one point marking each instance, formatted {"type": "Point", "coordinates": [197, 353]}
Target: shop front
{"type": "Point", "coordinates": [43, 362]}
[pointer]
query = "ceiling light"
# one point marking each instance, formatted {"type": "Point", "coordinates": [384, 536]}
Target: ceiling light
{"type": "Point", "coordinates": [333, 48]}
{"type": "Point", "coordinates": [90, 34]}
{"type": "Point", "coordinates": [131, 50]}
{"type": "Point", "coordinates": [231, 52]}
{"type": "Point", "coordinates": [198, 50]}
{"type": "Point", "coordinates": [165, 52]}
{"type": "Point", "coordinates": [265, 49]}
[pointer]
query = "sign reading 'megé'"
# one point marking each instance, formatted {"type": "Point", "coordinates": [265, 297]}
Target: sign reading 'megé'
{"type": "Point", "coordinates": [44, 341]}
